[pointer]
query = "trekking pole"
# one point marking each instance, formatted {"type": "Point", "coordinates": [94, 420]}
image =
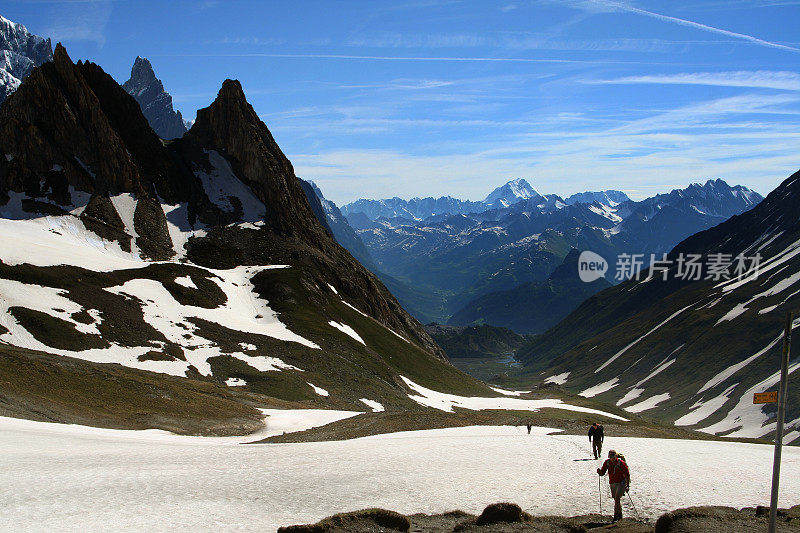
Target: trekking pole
{"type": "Point", "coordinates": [600, 493]}
{"type": "Point", "coordinates": [634, 507]}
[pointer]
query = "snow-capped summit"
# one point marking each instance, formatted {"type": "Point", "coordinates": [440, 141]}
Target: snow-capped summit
{"type": "Point", "coordinates": [155, 102]}
{"type": "Point", "coordinates": [511, 193]}
{"type": "Point", "coordinates": [20, 52]}
{"type": "Point", "coordinates": [610, 198]}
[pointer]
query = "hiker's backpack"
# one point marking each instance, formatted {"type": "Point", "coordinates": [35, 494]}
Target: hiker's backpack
{"type": "Point", "coordinates": [622, 458]}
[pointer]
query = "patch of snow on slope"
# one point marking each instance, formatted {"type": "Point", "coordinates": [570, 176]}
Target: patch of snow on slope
{"type": "Point", "coordinates": [649, 403]}
{"type": "Point", "coordinates": [222, 187]}
{"type": "Point", "coordinates": [600, 388]}
{"type": "Point", "coordinates": [630, 396]}
{"type": "Point", "coordinates": [186, 281]}
{"type": "Point", "coordinates": [243, 311]}
{"type": "Point", "coordinates": [660, 368]}
{"type": "Point", "coordinates": [280, 421]}
{"type": "Point", "coordinates": [178, 226]}
{"type": "Point", "coordinates": [60, 240]}
{"type": "Point", "coordinates": [446, 402]}
{"type": "Point", "coordinates": [393, 332]}
{"type": "Point", "coordinates": [43, 299]}
{"type": "Point", "coordinates": [344, 328]}
{"type": "Point", "coordinates": [123, 355]}
{"type": "Point", "coordinates": [125, 204]}
{"type": "Point", "coordinates": [778, 259]}
{"type": "Point", "coordinates": [748, 420]}
{"type": "Point", "coordinates": [629, 346]}
{"type": "Point", "coordinates": [731, 370]}
{"type": "Point", "coordinates": [558, 379]}
{"type": "Point", "coordinates": [605, 212]}
{"type": "Point", "coordinates": [263, 364]}
{"type": "Point", "coordinates": [703, 409]}
{"type": "Point", "coordinates": [333, 289]}
{"type": "Point", "coordinates": [372, 404]}
{"type": "Point", "coordinates": [779, 287]}
{"type": "Point", "coordinates": [235, 382]}
{"type": "Point", "coordinates": [505, 392]}
{"type": "Point", "coordinates": [318, 390]}
{"type": "Point", "coordinates": [738, 310]}
{"type": "Point", "coordinates": [356, 309]}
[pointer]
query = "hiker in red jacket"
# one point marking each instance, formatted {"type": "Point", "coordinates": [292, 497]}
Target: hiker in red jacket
{"type": "Point", "coordinates": [619, 479]}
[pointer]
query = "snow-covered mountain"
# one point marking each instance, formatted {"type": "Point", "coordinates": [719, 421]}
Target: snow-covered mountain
{"type": "Point", "coordinates": [156, 103]}
{"type": "Point", "coordinates": [419, 209]}
{"type": "Point", "coordinates": [198, 267]}
{"type": "Point", "coordinates": [20, 52]}
{"type": "Point", "coordinates": [609, 198]}
{"type": "Point", "coordinates": [692, 349]}
{"type": "Point", "coordinates": [413, 209]}
{"type": "Point", "coordinates": [458, 258]}
{"type": "Point", "coordinates": [512, 192]}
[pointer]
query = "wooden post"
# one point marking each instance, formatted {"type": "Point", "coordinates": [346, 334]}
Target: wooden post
{"type": "Point", "coordinates": [776, 461]}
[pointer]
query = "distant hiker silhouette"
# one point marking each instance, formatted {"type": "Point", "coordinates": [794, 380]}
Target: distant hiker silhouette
{"type": "Point", "coordinates": [529, 428]}
{"type": "Point", "coordinates": [619, 479]}
{"type": "Point", "coordinates": [596, 438]}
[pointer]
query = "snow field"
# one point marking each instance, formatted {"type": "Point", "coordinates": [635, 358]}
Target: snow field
{"type": "Point", "coordinates": [72, 478]}
{"type": "Point", "coordinates": [446, 402]}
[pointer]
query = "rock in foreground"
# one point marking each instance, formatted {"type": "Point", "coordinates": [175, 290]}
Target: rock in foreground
{"type": "Point", "coordinates": [509, 517]}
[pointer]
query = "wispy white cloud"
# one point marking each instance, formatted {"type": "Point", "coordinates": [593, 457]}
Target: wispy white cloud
{"type": "Point", "coordinates": [782, 80]}
{"type": "Point", "coordinates": [610, 5]}
{"type": "Point", "coordinates": [79, 21]}
{"type": "Point", "coordinates": [519, 41]}
{"type": "Point", "coordinates": [404, 58]}
{"type": "Point", "coordinates": [728, 138]}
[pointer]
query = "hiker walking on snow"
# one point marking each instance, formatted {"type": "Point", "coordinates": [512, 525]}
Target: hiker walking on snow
{"type": "Point", "coordinates": [619, 479]}
{"type": "Point", "coordinates": [596, 438]}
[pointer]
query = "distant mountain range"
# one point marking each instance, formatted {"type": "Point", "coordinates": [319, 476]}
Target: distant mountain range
{"type": "Point", "coordinates": [453, 259]}
{"type": "Point", "coordinates": [156, 103]}
{"type": "Point", "coordinates": [20, 52]}
{"type": "Point", "coordinates": [692, 350]}
{"type": "Point", "coordinates": [418, 209]}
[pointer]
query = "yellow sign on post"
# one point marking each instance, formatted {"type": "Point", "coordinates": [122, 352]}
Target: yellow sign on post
{"type": "Point", "coordinates": [765, 397]}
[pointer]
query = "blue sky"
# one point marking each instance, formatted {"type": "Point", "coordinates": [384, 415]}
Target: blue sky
{"type": "Point", "coordinates": [427, 98]}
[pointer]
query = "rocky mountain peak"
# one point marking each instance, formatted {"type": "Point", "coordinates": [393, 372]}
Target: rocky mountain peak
{"type": "Point", "coordinates": [20, 53]}
{"type": "Point", "coordinates": [142, 73]}
{"type": "Point", "coordinates": [231, 126]}
{"type": "Point", "coordinates": [17, 38]}
{"type": "Point", "coordinates": [155, 102]}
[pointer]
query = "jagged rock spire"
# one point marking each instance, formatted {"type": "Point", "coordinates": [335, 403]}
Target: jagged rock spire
{"type": "Point", "coordinates": [155, 102]}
